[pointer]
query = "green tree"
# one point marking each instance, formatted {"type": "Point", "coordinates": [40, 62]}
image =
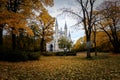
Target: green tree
{"type": "Point", "coordinates": [64, 43]}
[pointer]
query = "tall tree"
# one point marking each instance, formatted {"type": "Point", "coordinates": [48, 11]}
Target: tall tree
{"type": "Point", "coordinates": [85, 17]}
{"type": "Point", "coordinates": [110, 11]}
{"type": "Point", "coordinates": [1, 33]}
{"type": "Point", "coordinates": [94, 30]}
{"type": "Point", "coordinates": [23, 9]}
{"type": "Point", "coordinates": [1, 22]}
{"type": "Point", "coordinates": [46, 28]}
{"type": "Point", "coordinates": [87, 21]}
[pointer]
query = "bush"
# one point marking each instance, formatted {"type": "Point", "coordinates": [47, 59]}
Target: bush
{"type": "Point", "coordinates": [34, 56]}
{"type": "Point", "coordinates": [16, 56]}
{"type": "Point", "coordinates": [48, 53]}
{"type": "Point", "coordinates": [60, 53]}
{"type": "Point", "coordinates": [71, 53]}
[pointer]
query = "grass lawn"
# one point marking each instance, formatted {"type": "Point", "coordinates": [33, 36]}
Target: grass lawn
{"type": "Point", "coordinates": [103, 67]}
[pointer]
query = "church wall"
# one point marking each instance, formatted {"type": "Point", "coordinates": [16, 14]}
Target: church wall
{"type": "Point", "coordinates": [58, 34]}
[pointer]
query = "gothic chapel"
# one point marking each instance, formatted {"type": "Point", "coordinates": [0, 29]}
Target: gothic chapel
{"type": "Point", "coordinates": [58, 33]}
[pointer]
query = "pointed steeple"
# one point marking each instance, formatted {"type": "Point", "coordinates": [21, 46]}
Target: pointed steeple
{"type": "Point", "coordinates": [65, 25]}
{"type": "Point", "coordinates": [56, 23]}
{"type": "Point", "coordinates": [69, 35]}
{"type": "Point", "coordinates": [56, 26]}
{"type": "Point", "coordinates": [65, 30]}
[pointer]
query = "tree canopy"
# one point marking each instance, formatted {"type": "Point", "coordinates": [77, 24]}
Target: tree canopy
{"type": "Point", "coordinates": [15, 16]}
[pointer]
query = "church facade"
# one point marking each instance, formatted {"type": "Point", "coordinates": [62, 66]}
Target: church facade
{"type": "Point", "coordinates": [58, 33]}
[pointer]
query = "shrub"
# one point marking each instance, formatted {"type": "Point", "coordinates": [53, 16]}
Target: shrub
{"type": "Point", "coordinates": [60, 53]}
{"type": "Point", "coordinates": [16, 56]}
{"type": "Point", "coordinates": [71, 53]}
{"type": "Point", "coordinates": [48, 53]}
{"type": "Point", "coordinates": [34, 55]}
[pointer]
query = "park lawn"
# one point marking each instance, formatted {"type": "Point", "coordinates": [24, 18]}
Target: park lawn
{"type": "Point", "coordinates": [103, 67]}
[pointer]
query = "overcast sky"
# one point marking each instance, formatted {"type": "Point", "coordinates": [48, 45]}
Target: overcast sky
{"type": "Point", "coordinates": [72, 4]}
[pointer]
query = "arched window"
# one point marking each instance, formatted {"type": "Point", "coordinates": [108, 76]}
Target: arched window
{"type": "Point", "coordinates": [51, 47]}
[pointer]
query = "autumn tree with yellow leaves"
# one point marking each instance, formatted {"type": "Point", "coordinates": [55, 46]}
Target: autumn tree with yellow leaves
{"type": "Point", "coordinates": [106, 31]}
{"type": "Point", "coordinates": [46, 28]}
{"type": "Point", "coordinates": [14, 15]}
{"type": "Point", "coordinates": [80, 45]}
{"type": "Point", "coordinates": [109, 12]}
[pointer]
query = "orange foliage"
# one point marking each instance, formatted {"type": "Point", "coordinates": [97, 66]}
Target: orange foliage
{"type": "Point", "coordinates": [102, 40]}
{"type": "Point", "coordinates": [18, 20]}
{"type": "Point", "coordinates": [47, 24]}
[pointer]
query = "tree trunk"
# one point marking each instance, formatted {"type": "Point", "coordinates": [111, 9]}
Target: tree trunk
{"type": "Point", "coordinates": [88, 46]}
{"type": "Point", "coordinates": [42, 45]}
{"type": "Point", "coordinates": [1, 35]}
{"type": "Point", "coordinates": [114, 41]}
{"type": "Point", "coordinates": [13, 41]}
{"type": "Point", "coordinates": [116, 47]}
{"type": "Point", "coordinates": [95, 49]}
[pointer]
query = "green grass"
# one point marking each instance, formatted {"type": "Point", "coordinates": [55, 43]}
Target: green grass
{"type": "Point", "coordinates": [103, 67]}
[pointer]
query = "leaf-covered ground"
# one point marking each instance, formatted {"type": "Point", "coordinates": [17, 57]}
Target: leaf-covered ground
{"type": "Point", "coordinates": [103, 67]}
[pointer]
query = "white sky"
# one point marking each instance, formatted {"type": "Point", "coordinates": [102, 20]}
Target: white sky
{"type": "Point", "coordinates": [72, 4]}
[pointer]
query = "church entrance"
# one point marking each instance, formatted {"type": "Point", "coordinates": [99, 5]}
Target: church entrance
{"type": "Point", "coordinates": [51, 47]}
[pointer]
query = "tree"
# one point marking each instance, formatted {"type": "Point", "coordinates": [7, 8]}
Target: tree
{"type": "Point", "coordinates": [36, 30]}
{"type": "Point", "coordinates": [46, 28]}
{"type": "Point", "coordinates": [1, 33]}
{"type": "Point", "coordinates": [79, 45]}
{"type": "Point", "coordinates": [94, 39]}
{"type": "Point", "coordinates": [19, 11]}
{"type": "Point", "coordinates": [87, 19]}
{"type": "Point", "coordinates": [94, 30]}
{"type": "Point", "coordinates": [102, 41]}
{"type": "Point", "coordinates": [64, 43]}
{"type": "Point", "coordinates": [110, 14]}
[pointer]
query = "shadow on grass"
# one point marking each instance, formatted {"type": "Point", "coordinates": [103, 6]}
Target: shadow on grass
{"type": "Point", "coordinates": [99, 57]}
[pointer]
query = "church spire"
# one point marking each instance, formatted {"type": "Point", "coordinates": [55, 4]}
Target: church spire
{"type": "Point", "coordinates": [65, 29]}
{"type": "Point", "coordinates": [69, 35]}
{"type": "Point", "coordinates": [56, 23]}
{"type": "Point", "coordinates": [56, 27]}
{"type": "Point", "coordinates": [65, 25]}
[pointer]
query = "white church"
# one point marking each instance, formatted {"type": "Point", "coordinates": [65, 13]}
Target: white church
{"type": "Point", "coordinates": [58, 33]}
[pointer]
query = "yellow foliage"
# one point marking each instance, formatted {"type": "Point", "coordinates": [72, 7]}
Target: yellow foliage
{"type": "Point", "coordinates": [48, 23]}
{"type": "Point", "coordinates": [78, 43]}
{"type": "Point", "coordinates": [17, 20]}
{"type": "Point", "coordinates": [48, 2]}
{"type": "Point", "coordinates": [102, 40]}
